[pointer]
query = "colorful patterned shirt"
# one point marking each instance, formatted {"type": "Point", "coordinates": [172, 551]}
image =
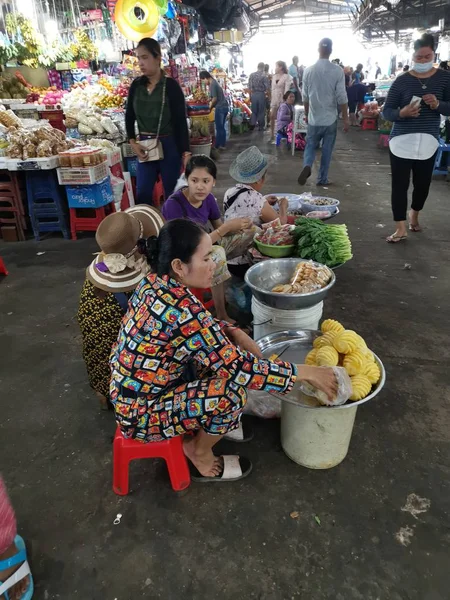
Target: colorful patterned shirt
{"type": "Point", "coordinates": [258, 82]}
{"type": "Point", "coordinates": [165, 328]}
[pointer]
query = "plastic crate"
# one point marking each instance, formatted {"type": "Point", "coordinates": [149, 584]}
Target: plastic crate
{"type": "Point", "coordinates": [114, 157]}
{"type": "Point", "coordinates": [127, 151]}
{"type": "Point", "coordinates": [131, 166]}
{"type": "Point", "coordinates": [90, 196]}
{"type": "Point", "coordinates": [83, 175]}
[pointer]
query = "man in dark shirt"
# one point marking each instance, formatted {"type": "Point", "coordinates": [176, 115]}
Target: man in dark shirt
{"type": "Point", "coordinates": [258, 84]}
{"type": "Point", "coordinates": [355, 94]}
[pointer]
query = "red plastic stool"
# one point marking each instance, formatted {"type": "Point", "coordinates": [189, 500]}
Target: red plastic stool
{"type": "Point", "coordinates": [200, 295]}
{"type": "Point", "coordinates": [369, 124]}
{"type": "Point", "coordinates": [383, 140]}
{"type": "Point", "coordinates": [171, 450]}
{"type": "Point", "coordinates": [3, 269]}
{"type": "Point", "coordinates": [82, 222]}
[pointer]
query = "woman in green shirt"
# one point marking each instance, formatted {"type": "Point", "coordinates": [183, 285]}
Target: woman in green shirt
{"type": "Point", "coordinates": [157, 104]}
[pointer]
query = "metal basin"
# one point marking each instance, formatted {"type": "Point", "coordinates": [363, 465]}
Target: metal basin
{"type": "Point", "coordinates": [261, 278]}
{"type": "Point", "coordinates": [299, 343]}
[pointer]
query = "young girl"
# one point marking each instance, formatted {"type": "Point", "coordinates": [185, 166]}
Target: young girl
{"type": "Point", "coordinates": [197, 203]}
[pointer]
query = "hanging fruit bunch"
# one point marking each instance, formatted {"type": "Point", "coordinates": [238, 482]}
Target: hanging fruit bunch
{"type": "Point", "coordinates": [83, 48]}
{"type": "Point", "coordinates": [27, 41]}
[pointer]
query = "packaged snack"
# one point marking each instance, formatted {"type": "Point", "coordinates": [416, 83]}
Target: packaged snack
{"type": "Point", "coordinates": [44, 149]}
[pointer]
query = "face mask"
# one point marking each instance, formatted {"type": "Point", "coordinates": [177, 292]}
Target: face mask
{"type": "Point", "coordinates": [422, 67]}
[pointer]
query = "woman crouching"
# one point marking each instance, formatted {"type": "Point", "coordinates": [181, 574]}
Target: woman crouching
{"type": "Point", "coordinates": [175, 369]}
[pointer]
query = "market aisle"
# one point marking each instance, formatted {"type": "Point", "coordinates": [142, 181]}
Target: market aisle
{"type": "Point", "coordinates": [238, 540]}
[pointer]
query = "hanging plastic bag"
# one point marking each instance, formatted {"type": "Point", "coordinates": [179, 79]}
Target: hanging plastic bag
{"type": "Point", "coordinates": [117, 185]}
{"type": "Point", "coordinates": [263, 405]}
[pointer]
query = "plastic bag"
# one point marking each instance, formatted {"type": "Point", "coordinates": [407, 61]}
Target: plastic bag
{"type": "Point", "coordinates": [344, 389]}
{"type": "Point", "coordinates": [262, 404]}
{"type": "Point", "coordinates": [84, 129]}
{"type": "Point", "coordinates": [109, 126]}
{"type": "Point", "coordinates": [181, 183]}
{"type": "Point", "coordinates": [117, 185]}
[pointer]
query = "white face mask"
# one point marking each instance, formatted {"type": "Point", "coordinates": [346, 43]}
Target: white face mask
{"type": "Point", "coordinates": [422, 67]}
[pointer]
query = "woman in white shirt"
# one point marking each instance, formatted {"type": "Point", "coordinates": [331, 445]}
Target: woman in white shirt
{"type": "Point", "coordinates": [282, 82]}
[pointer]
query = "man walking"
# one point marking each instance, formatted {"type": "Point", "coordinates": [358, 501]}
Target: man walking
{"type": "Point", "coordinates": [258, 84]}
{"type": "Point", "coordinates": [295, 74]}
{"type": "Point", "coordinates": [323, 92]}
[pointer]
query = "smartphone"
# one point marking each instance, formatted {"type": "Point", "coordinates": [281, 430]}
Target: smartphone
{"type": "Point", "coordinates": [416, 100]}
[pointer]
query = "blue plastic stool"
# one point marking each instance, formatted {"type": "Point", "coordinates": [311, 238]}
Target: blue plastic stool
{"type": "Point", "coordinates": [438, 169]}
{"type": "Point", "coordinates": [280, 136]}
{"type": "Point", "coordinates": [46, 203]}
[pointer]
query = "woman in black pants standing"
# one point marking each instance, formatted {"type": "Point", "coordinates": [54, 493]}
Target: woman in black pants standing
{"type": "Point", "coordinates": [156, 103]}
{"type": "Point", "coordinates": [414, 103]}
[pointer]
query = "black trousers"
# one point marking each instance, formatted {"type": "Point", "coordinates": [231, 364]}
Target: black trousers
{"type": "Point", "coordinates": [422, 172]}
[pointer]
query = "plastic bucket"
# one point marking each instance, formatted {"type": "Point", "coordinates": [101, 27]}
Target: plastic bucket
{"type": "Point", "coordinates": [268, 320]}
{"type": "Point", "coordinates": [201, 149]}
{"type": "Point", "coordinates": [316, 438]}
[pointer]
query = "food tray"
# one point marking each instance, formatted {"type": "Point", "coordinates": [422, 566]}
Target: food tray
{"type": "Point", "coordinates": [83, 175]}
{"type": "Point", "coordinates": [32, 164]}
{"type": "Point", "coordinates": [293, 200]}
{"type": "Point", "coordinates": [265, 275]}
{"type": "Point", "coordinates": [300, 343]}
{"type": "Point", "coordinates": [308, 207]}
{"type": "Point", "coordinates": [274, 251]}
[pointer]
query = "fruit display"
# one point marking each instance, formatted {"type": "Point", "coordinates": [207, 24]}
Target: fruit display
{"type": "Point", "coordinates": [307, 278]}
{"type": "Point", "coordinates": [344, 347]}
{"type": "Point", "coordinates": [91, 122]}
{"type": "Point", "coordinates": [12, 87]}
{"type": "Point", "coordinates": [327, 244]}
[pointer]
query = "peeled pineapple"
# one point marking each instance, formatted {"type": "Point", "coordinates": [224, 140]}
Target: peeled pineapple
{"type": "Point", "coordinates": [361, 387]}
{"type": "Point", "coordinates": [372, 371]}
{"type": "Point", "coordinates": [354, 363]}
{"type": "Point", "coordinates": [327, 357]}
{"type": "Point", "coordinates": [311, 358]}
{"type": "Point", "coordinates": [331, 325]}
{"type": "Point", "coordinates": [325, 340]}
{"type": "Point", "coordinates": [346, 341]}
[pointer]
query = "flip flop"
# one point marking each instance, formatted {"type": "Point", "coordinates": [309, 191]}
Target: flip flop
{"type": "Point", "coordinates": [22, 572]}
{"type": "Point", "coordinates": [234, 468]}
{"type": "Point", "coordinates": [394, 239]}
{"type": "Point", "coordinates": [244, 433]}
{"type": "Point", "coordinates": [415, 228]}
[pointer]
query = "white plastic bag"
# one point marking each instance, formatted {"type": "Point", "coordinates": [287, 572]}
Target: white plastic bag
{"type": "Point", "coordinates": [262, 404]}
{"type": "Point", "coordinates": [117, 185]}
{"type": "Point", "coordinates": [109, 126]}
{"type": "Point", "coordinates": [344, 389]}
{"type": "Point", "coordinates": [181, 183]}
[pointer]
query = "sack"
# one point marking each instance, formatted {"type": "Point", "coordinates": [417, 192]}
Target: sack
{"type": "Point", "coordinates": [154, 150]}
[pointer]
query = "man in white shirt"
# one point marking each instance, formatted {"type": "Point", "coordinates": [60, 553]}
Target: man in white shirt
{"type": "Point", "coordinates": [323, 92]}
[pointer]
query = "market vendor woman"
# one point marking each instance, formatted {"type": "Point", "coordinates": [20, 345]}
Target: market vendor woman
{"type": "Point", "coordinates": [176, 370]}
{"type": "Point", "coordinates": [156, 103]}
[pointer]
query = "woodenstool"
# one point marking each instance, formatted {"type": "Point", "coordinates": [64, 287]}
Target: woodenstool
{"type": "Point", "coordinates": [171, 450]}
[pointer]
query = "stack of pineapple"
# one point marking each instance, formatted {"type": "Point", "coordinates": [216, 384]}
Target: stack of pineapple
{"type": "Point", "coordinates": [344, 347]}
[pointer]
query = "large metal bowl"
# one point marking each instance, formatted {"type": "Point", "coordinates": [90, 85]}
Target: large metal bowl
{"type": "Point", "coordinates": [294, 346]}
{"type": "Point", "coordinates": [261, 278]}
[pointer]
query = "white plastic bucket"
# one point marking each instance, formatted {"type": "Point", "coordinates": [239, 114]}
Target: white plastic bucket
{"type": "Point", "coordinates": [201, 149]}
{"type": "Point", "coordinates": [314, 437]}
{"type": "Point", "coordinates": [268, 320]}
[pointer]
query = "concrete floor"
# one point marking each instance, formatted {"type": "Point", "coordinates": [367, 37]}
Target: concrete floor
{"type": "Point", "coordinates": [238, 540]}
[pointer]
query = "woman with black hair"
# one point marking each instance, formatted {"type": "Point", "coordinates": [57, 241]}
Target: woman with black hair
{"type": "Point", "coordinates": [176, 370]}
{"type": "Point", "coordinates": [282, 83]}
{"type": "Point", "coordinates": [415, 103]}
{"type": "Point", "coordinates": [220, 104]}
{"type": "Point", "coordinates": [197, 202]}
{"type": "Point", "coordinates": [156, 103]}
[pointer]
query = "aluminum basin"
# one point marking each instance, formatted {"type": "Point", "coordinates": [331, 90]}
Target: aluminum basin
{"type": "Point", "coordinates": [261, 278]}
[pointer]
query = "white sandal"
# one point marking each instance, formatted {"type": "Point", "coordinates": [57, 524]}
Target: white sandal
{"type": "Point", "coordinates": [234, 468]}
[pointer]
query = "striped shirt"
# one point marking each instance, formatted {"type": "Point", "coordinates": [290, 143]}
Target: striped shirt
{"type": "Point", "coordinates": [403, 89]}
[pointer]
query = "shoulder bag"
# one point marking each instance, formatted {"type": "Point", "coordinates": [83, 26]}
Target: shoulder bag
{"type": "Point", "coordinates": [153, 146]}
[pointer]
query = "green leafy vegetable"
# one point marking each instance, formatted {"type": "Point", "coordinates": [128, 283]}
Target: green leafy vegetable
{"type": "Point", "coordinates": [326, 244]}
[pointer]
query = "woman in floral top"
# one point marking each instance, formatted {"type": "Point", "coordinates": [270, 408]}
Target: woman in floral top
{"type": "Point", "coordinates": [175, 369]}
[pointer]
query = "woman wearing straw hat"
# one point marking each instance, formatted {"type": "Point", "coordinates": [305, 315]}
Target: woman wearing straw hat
{"type": "Point", "coordinates": [110, 278]}
{"type": "Point", "coordinates": [168, 333]}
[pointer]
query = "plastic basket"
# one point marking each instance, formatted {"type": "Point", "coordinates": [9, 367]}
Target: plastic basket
{"type": "Point", "coordinates": [83, 175]}
{"type": "Point", "coordinates": [275, 251]}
